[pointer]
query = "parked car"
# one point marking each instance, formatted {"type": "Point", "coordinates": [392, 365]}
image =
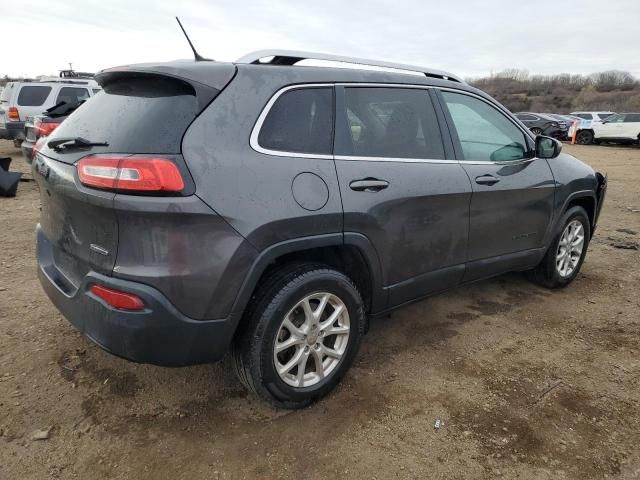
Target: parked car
{"type": "Point", "coordinates": [37, 129]}
{"type": "Point", "coordinates": [618, 128]}
{"type": "Point", "coordinates": [541, 124]}
{"type": "Point", "coordinates": [568, 120]}
{"type": "Point", "coordinates": [21, 101]}
{"type": "Point", "coordinates": [197, 206]}
{"type": "Point", "coordinates": [588, 120]}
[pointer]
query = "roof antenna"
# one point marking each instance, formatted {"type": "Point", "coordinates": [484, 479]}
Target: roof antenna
{"type": "Point", "coordinates": [198, 57]}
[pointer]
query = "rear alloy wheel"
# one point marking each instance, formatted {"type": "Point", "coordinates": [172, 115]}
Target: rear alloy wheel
{"type": "Point", "coordinates": [536, 131]}
{"type": "Point", "coordinates": [300, 335]}
{"type": "Point", "coordinates": [312, 339]}
{"type": "Point", "coordinates": [584, 137]}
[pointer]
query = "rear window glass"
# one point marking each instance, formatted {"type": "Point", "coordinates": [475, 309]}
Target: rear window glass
{"type": "Point", "coordinates": [142, 114]}
{"type": "Point", "coordinates": [70, 95]}
{"type": "Point", "coordinates": [33, 96]}
{"type": "Point", "coordinates": [301, 121]}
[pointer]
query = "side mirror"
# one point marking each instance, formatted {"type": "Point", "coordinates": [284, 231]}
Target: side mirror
{"type": "Point", "coordinates": [547, 147]}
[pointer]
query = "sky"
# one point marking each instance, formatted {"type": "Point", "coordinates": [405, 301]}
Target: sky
{"type": "Point", "coordinates": [470, 38]}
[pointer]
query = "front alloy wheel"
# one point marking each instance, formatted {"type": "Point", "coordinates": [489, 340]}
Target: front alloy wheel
{"type": "Point", "coordinates": [563, 259]}
{"type": "Point", "coordinates": [570, 248]}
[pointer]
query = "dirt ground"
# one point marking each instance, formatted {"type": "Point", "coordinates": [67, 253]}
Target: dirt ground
{"type": "Point", "coordinates": [528, 383]}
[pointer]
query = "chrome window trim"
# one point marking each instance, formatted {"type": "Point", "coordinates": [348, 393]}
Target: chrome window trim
{"type": "Point", "coordinates": [393, 159]}
{"type": "Point", "coordinates": [255, 133]}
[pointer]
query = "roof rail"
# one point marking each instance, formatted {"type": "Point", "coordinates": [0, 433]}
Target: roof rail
{"type": "Point", "coordinates": [291, 57]}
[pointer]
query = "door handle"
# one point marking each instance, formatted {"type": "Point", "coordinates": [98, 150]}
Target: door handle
{"type": "Point", "coordinates": [487, 180]}
{"type": "Point", "coordinates": [368, 185]}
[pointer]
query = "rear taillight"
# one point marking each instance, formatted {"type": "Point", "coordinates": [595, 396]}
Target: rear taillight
{"type": "Point", "coordinates": [118, 299]}
{"type": "Point", "coordinates": [13, 114]}
{"type": "Point", "coordinates": [142, 174]}
{"type": "Point", "coordinates": [44, 128]}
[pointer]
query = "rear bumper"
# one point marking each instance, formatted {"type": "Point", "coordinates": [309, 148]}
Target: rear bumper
{"type": "Point", "coordinates": [159, 334]}
{"type": "Point", "coordinates": [12, 131]}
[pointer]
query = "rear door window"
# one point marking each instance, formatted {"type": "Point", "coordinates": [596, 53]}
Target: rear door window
{"type": "Point", "coordinates": [33, 95]}
{"type": "Point", "coordinates": [632, 118]}
{"type": "Point", "coordinates": [585, 116]}
{"type": "Point", "coordinates": [71, 95]}
{"type": "Point", "coordinates": [526, 117]}
{"type": "Point", "coordinates": [300, 121]}
{"type": "Point", "coordinates": [485, 133]}
{"type": "Point", "coordinates": [389, 123]}
{"type": "Point", "coordinates": [138, 114]}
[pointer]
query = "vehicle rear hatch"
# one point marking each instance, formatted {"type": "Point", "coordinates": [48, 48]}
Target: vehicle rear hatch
{"type": "Point", "coordinates": [142, 110]}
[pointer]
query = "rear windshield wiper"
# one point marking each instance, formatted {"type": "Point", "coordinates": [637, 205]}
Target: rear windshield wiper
{"type": "Point", "coordinates": [63, 108]}
{"type": "Point", "coordinates": [60, 144]}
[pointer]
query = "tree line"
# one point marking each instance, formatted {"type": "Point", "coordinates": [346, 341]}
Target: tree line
{"type": "Point", "coordinates": [613, 90]}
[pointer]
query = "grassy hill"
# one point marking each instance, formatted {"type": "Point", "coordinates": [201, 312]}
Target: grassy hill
{"type": "Point", "coordinates": [516, 89]}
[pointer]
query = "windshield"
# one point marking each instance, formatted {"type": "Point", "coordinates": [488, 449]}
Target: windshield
{"type": "Point", "coordinates": [140, 114]}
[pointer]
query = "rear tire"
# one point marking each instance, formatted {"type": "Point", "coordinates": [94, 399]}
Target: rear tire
{"type": "Point", "coordinates": [289, 351]}
{"type": "Point", "coordinates": [584, 137]}
{"type": "Point", "coordinates": [563, 261]}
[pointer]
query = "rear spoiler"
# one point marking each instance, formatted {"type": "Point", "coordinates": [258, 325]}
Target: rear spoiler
{"type": "Point", "coordinates": [208, 79]}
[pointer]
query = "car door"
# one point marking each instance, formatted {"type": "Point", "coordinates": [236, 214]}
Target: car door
{"type": "Point", "coordinates": [612, 127]}
{"type": "Point", "coordinates": [513, 193]}
{"type": "Point", "coordinates": [631, 126]}
{"type": "Point", "coordinates": [399, 189]}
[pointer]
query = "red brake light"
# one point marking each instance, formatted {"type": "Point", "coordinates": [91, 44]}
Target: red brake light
{"type": "Point", "coordinates": [118, 299]}
{"type": "Point", "coordinates": [145, 174]}
{"type": "Point", "coordinates": [14, 115]}
{"type": "Point", "coordinates": [44, 128]}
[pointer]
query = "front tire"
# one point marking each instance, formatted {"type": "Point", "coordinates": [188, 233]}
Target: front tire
{"type": "Point", "coordinates": [300, 335]}
{"type": "Point", "coordinates": [565, 256]}
{"type": "Point", "coordinates": [536, 131]}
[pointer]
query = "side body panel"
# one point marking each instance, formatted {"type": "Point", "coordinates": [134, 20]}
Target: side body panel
{"type": "Point", "coordinates": [253, 191]}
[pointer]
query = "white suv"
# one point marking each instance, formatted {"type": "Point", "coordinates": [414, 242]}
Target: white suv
{"type": "Point", "coordinates": [619, 128]}
{"type": "Point", "coordinates": [21, 101]}
{"type": "Point", "coordinates": [584, 134]}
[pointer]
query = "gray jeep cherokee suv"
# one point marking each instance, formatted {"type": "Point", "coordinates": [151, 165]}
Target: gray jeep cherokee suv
{"type": "Point", "coordinates": [270, 208]}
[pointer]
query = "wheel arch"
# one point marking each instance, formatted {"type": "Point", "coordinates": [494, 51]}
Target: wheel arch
{"type": "Point", "coordinates": [351, 253]}
{"type": "Point", "coordinates": [584, 199]}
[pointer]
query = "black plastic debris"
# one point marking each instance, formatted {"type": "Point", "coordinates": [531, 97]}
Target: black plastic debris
{"type": "Point", "coordinates": [8, 180]}
{"type": "Point", "coordinates": [5, 162]}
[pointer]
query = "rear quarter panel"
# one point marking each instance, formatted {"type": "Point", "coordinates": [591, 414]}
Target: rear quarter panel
{"type": "Point", "coordinates": [253, 191]}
